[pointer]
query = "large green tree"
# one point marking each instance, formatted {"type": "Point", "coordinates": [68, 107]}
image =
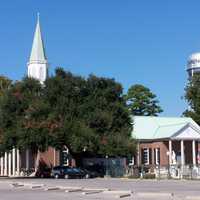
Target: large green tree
{"type": "Point", "coordinates": [142, 102]}
{"type": "Point", "coordinates": [5, 84]}
{"type": "Point", "coordinates": [24, 117]}
{"type": "Point", "coordinates": [107, 115]}
{"type": "Point", "coordinates": [89, 114]}
{"type": "Point", "coordinates": [192, 96]}
{"type": "Point", "coordinates": [83, 114]}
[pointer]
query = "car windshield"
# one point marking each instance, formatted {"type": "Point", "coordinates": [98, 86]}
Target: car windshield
{"type": "Point", "coordinates": [76, 170]}
{"type": "Point", "coordinates": [68, 170]}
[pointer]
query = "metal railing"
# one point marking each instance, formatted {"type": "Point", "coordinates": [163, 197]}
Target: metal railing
{"type": "Point", "coordinates": [164, 172]}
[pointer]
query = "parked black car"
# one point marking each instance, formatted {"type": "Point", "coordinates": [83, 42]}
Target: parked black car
{"type": "Point", "coordinates": [43, 172]}
{"type": "Point", "coordinates": [90, 173]}
{"type": "Point", "coordinates": [67, 172]}
{"type": "Point", "coordinates": [95, 171]}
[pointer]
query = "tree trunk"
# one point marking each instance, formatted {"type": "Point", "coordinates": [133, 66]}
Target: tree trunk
{"type": "Point", "coordinates": [37, 161]}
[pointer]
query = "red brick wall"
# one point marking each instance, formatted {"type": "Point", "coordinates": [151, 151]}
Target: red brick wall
{"type": "Point", "coordinates": [51, 157]}
{"type": "Point", "coordinates": [163, 150]}
{"type": "Point", "coordinates": [164, 159]}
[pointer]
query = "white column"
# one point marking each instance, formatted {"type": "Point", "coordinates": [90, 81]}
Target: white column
{"type": "Point", "coordinates": [1, 166]}
{"type": "Point", "coordinates": [182, 153]}
{"type": "Point", "coordinates": [9, 164]}
{"type": "Point", "coordinates": [18, 163]}
{"type": "Point", "coordinates": [156, 157]}
{"type": "Point", "coordinates": [5, 164]}
{"type": "Point", "coordinates": [13, 162]}
{"type": "Point", "coordinates": [170, 152]}
{"type": "Point", "coordinates": [27, 159]}
{"type": "Point", "coordinates": [138, 154]}
{"type": "Point", "coordinates": [193, 152]}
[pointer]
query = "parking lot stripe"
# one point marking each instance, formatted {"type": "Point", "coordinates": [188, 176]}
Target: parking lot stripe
{"type": "Point", "coordinates": [117, 191]}
{"type": "Point", "coordinates": [154, 194]}
{"type": "Point", "coordinates": [100, 189]}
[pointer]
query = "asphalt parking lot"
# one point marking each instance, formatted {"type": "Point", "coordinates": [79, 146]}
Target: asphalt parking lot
{"type": "Point", "coordinates": [75, 189]}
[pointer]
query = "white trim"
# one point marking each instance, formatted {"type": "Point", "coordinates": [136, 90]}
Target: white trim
{"type": "Point", "coordinates": [181, 135]}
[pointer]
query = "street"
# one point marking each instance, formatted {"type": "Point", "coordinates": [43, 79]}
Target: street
{"type": "Point", "coordinates": [59, 189]}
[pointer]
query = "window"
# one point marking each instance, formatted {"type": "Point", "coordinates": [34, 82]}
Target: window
{"type": "Point", "coordinates": [145, 156]}
{"type": "Point", "coordinates": [157, 156]}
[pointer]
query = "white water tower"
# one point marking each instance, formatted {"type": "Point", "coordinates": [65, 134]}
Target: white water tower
{"type": "Point", "coordinates": [193, 64]}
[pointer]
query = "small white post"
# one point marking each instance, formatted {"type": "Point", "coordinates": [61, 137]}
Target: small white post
{"type": "Point", "coordinates": [5, 164]}
{"type": "Point", "coordinates": [9, 164]}
{"type": "Point", "coordinates": [194, 153]}
{"type": "Point", "coordinates": [2, 166]}
{"type": "Point", "coordinates": [13, 162]}
{"type": "Point", "coordinates": [18, 163]}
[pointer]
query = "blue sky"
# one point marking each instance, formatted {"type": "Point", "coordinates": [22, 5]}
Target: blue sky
{"type": "Point", "coordinates": [133, 41]}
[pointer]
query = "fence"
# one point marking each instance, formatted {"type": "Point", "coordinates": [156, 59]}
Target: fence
{"type": "Point", "coordinates": [164, 172]}
{"type": "Point", "coordinates": [112, 167]}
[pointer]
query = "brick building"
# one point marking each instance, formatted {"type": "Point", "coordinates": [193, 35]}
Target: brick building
{"type": "Point", "coordinates": [166, 141]}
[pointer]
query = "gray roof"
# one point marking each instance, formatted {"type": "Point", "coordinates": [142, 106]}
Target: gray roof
{"type": "Point", "coordinates": [150, 128]}
{"type": "Point", "coordinates": [38, 51]}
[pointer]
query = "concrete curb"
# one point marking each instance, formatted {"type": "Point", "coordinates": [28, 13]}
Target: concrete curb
{"type": "Point", "coordinates": [36, 186]}
{"type": "Point", "coordinates": [192, 198]}
{"type": "Point", "coordinates": [74, 190]}
{"type": "Point", "coordinates": [91, 192]}
{"type": "Point", "coordinates": [16, 184]}
{"type": "Point", "coordinates": [51, 188]}
{"type": "Point", "coordinates": [123, 195]}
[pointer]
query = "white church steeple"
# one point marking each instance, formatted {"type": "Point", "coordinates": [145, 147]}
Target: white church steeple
{"type": "Point", "coordinates": [38, 65]}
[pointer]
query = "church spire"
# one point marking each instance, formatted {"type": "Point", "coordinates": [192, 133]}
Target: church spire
{"type": "Point", "coordinates": [38, 65]}
{"type": "Point", "coordinates": [38, 51]}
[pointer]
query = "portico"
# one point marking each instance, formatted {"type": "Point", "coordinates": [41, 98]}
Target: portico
{"type": "Point", "coordinates": [192, 160]}
{"type": "Point", "coordinates": [10, 163]}
{"type": "Point", "coordinates": [167, 142]}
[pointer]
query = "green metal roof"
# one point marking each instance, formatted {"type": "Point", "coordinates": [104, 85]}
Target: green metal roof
{"type": "Point", "coordinates": [38, 51]}
{"type": "Point", "coordinates": [145, 127]}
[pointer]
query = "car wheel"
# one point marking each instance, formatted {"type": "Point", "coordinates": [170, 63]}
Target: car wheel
{"type": "Point", "coordinates": [66, 176]}
{"type": "Point", "coordinates": [56, 176]}
{"type": "Point", "coordinates": [87, 176]}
